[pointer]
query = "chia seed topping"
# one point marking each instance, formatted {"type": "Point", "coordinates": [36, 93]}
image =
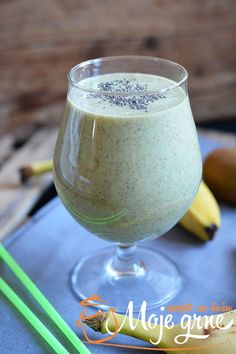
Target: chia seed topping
{"type": "Point", "coordinates": [137, 97]}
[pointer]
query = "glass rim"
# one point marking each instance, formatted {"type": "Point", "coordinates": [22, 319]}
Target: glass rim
{"type": "Point", "coordinates": [126, 57]}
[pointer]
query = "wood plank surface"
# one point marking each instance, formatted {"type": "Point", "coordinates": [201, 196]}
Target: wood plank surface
{"type": "Point", "coordinates": [18, 199]}
{"type": "Point", "coordinates": [6, 148]}
{"type": "Point", "coordinates": [41, 40]}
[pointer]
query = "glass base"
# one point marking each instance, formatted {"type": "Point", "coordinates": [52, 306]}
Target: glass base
{"type": "Point", "coordinates": [152, 277]}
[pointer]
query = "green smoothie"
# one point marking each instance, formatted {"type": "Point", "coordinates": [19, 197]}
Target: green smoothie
{"type": "Point", "coordinates": [127, 164]}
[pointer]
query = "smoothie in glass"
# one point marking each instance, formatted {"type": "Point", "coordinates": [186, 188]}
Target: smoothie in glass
{"type": "Point", "coordinates": [127, 163]}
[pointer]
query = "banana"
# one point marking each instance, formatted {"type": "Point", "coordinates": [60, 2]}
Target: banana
{"type": "Point", "coordinates": [203, 217]}
{"type": "Point", "coordinates": [35, 169]}
{"type": "Point", "coordinates": [206, 337]}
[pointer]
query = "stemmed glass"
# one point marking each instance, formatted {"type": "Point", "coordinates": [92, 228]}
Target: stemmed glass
{"type": "Point", "coordinates": [127, 167]}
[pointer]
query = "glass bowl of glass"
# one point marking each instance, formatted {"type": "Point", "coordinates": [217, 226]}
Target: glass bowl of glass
{"type": "Point", "coordinates": [127, 166]}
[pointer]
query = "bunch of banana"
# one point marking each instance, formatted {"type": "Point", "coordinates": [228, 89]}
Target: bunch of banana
{"type": "Point", "coordinates": [203, 217]}
{"type": "Point", "coordinates": [211, 339]}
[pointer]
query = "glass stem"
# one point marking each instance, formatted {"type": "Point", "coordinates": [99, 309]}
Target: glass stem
{"type": "Point", "coordinates": [126, 262]}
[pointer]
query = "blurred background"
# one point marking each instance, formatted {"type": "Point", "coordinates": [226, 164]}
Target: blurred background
{"type": "Point", "coordinates": [41, 40]}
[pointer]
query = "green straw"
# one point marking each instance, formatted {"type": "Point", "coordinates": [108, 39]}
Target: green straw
{"type": "Point", "coordinates": [41, 299]}
{"type": "Point", "coordinates": [31, 318]}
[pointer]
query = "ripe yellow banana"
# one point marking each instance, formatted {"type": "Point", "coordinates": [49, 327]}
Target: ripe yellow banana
{"type": "Point", "coordinates": [203, 217]}
{"type": "Point", "coordinates": [35, 169]}
{"type": "Point", "coordinates": [219, 340]}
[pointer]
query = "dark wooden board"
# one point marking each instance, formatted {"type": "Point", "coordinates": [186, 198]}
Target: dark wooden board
{"type": "Point", "coordinates": [41, 40]}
